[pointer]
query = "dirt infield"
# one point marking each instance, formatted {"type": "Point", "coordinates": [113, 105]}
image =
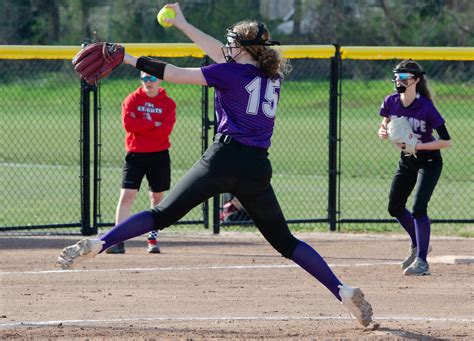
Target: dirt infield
{"type": "Point", "coordinates": [229, 286]}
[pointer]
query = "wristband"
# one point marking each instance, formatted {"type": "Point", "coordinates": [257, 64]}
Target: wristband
{"type": "Point", "coordinates": [151, 66]}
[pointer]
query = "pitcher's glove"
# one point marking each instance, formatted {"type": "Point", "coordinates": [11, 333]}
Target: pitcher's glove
{"type": "Point", "coordinates": [97, 60]}
{"type": "Point", "coordinates": [401, 136]}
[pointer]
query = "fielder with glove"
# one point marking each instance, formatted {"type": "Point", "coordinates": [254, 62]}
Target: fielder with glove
{"type": "Point", "coordinates": [409, 119]}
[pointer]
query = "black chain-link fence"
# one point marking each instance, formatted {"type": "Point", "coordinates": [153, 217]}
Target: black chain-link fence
{"type": "Point", "coordinates": [329, 166]}
{"type": "Point", "coordinates": [39, 145]}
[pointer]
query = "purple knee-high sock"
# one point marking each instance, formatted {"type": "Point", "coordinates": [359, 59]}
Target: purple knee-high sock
{"type": "Point", "coordinates": [423, 230]}
{"type": "Point", "coordinates": [133, 226]}
{"type": "Point", "coordinates": [306, 257]}
{"type": "Point", "coordinates": [407, 222]}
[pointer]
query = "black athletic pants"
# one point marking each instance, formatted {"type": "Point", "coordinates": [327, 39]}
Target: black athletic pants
{"type": "Point", "coordinates": [229, 166]}
{"type": "Point", "coordinates": [421, 173]}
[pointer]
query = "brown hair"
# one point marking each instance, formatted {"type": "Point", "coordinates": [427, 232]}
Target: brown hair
{"type": "Point", "coordinates": [413, 67]}
{"type": "Point", "coordinates": [269, 59]}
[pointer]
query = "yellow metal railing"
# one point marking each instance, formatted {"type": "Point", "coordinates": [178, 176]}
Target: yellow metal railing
{"type": "Point", "coordinates": [161, 50]}
{"type": "Point", "coordinates": [407, 52]}
{"type": "Point", "coordinates": [289, 51]}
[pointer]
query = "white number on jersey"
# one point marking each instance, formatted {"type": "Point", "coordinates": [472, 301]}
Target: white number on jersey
{"type": "Point", "coordinates": [271, 97]}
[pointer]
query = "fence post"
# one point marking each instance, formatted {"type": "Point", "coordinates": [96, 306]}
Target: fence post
{"type": "Point", "coordinates": [85, 160]}
{"type": "Point", "coordinates": [96, 162]}
{"type": "Point", "coordinates": [333, 139]}
{"type": "Point", "coordinates": [86, 228]}
{"type": "Point", "coordinates": [216, 207]}
{"type": "Point", "coordinates": [205, 126]}
{"type": "Point", "coordinates": [216, 223]}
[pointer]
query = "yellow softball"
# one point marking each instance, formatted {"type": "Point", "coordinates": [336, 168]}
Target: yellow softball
{"type": "Point", "coordinates": [165, 13]}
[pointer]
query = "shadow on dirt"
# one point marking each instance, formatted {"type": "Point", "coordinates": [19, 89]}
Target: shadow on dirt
{"type": "Point", "coordinates": [405, 334]}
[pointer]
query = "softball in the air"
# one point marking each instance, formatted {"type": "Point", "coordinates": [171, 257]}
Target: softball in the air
{"type": "Point", "coordinates": [165, 13]}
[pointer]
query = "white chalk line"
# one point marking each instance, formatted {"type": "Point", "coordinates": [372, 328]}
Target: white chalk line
{"type": "Point", "coordinates": [228, 318]}
{"type": "Point", "coordinates": [199, 268]}
{"type": "Point", "coordinates": [235, 318]}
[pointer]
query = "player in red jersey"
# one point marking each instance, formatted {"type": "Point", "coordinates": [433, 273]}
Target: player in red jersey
{"type": "Point", "coordinates": [148, 117]}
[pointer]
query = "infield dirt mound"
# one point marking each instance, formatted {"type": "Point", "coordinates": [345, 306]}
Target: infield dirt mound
{"type": "Point", "coordinates": [230, 286]}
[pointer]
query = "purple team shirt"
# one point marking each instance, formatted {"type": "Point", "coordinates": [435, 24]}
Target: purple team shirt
{"type": "Point", "coordinates": [421, 114]}
{"type": "Point", "coordinates": [245, 102]}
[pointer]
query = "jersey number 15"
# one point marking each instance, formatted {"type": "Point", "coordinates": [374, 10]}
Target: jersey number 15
{"type": "Point", "coordinates": [269, 105]}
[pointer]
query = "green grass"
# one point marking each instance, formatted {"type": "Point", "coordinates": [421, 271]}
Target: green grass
{"type": "Point", "coordinates": [39, 152]}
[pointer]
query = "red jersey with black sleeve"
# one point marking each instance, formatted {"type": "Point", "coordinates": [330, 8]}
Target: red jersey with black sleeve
{"type": "Point", "coordinates": [148, 121]}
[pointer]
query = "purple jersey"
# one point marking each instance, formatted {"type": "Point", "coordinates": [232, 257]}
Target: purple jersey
{"type": "Point", "coordinates": [421, 114]}
{"type": "Point", "coordinates": [245, 102]}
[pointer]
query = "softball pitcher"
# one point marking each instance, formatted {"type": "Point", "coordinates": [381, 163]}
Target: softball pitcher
{"type": "Point", "coordinates": [421, 171]}
{"type": "Point", "coordinates": [247, 77]}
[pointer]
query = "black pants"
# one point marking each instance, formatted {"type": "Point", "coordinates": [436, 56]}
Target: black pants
{"type": "Point", "coordinates": [421, 173]}
{"type": "Point", "coordinates": [229, 166]}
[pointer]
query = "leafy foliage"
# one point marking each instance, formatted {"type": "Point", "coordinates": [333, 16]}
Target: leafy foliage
{"type": "Point", "coordinates": [362, 22]}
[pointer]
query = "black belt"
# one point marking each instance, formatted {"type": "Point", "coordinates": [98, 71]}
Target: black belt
{"type": "Point", "coordinates": [229, 140]}
{"type": "Point", "coordinates": [225, 139]}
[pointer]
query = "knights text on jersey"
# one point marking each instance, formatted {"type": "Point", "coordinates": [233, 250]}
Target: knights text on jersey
{"type": "Point", "coordinates": [148, 121]}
